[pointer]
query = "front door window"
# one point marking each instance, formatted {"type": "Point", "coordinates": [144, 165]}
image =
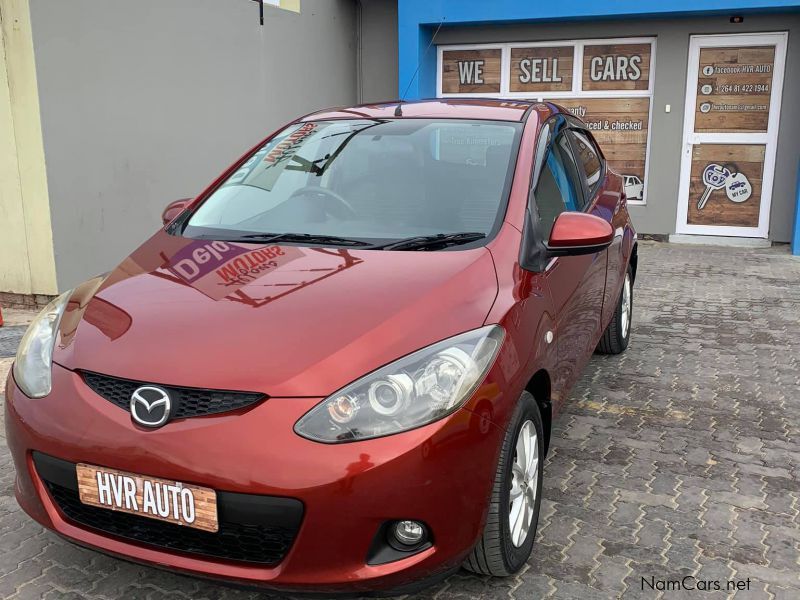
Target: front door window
{"type": "Point", "coordinates": [557, 189]}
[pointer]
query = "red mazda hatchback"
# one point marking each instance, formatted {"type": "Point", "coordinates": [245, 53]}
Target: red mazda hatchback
{"type": "Point", "coordinates": [336, 369]}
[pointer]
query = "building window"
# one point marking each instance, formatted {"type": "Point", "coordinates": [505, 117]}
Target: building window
{"type": "Point", "coordinates": [607, 83]}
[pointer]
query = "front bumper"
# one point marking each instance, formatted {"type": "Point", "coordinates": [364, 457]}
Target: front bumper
{"type": "Point", "coordinates": [440, 474]}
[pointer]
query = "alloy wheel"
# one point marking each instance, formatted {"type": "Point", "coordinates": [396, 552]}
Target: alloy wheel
{"type": "Point", "coordinates": [524, 483]}
{"type": "Point", "coordinates": [626, 306]}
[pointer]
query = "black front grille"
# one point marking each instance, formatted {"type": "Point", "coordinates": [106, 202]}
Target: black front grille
{"type": "Point", "coordinates": [186, 401]}
{"type": "Point", "coordinates": [253, 529]}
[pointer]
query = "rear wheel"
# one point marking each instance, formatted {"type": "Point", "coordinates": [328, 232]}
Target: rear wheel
{"type": "Point", "coordinates": [513, 517]}
{"type": "Point", "coordinates": [617, 334]}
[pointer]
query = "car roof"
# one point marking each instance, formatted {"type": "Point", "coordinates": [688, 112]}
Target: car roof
{"type": "Point", "coordinates": [492, 109]}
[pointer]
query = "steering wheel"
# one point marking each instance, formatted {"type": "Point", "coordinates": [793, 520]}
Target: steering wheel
{"type": "Point", "coordinates": [346, 210]}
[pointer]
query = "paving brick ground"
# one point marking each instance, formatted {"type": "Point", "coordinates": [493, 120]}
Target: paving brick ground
{"type": "Point", "coordinates": [681, 457]}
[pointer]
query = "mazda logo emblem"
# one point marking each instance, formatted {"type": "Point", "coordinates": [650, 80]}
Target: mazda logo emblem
{"type": "Point", "coordinates": [150, 406]}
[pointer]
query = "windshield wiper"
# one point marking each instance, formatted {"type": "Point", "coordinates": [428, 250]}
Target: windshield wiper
{"type": "Point", "coordinates": [312, 238]}
{"type": "Point", "coordinates": [423, 242]}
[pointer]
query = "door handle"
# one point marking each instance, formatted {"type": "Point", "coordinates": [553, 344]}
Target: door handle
{"type": "Point", "coordinates": [691, 140]}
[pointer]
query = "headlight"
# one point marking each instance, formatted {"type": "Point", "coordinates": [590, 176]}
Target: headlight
{"type": "Point", "coordinates": [33, 365]}
{"type": "Point", "coordinates": [410, 392]}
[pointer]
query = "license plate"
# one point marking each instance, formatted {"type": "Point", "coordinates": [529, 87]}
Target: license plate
{"type": "Point", "coordinates": [161, 499]}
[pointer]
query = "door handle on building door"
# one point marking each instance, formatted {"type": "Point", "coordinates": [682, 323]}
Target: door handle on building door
{"type": "Point", "coordinates": [691, 141]}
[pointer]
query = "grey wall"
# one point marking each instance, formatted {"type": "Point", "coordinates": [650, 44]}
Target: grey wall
{"type": "Point", "coordinates": [672, 52]}
{"type": "Point", "coordinates": [378, 63]}
{"type": "Point", "coordinates": [147, 101]}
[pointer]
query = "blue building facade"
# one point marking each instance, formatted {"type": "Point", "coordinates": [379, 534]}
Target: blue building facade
{"type": "Point", "coordinates": [677, 92]}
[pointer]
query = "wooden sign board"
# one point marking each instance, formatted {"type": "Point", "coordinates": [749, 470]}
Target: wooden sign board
{"type": "Point", "coordinates": [616, 67]}
{"type": "Point", "coordinates": [725, 184]}
{"type": "Point", "coordinates": [620, 126]}
{"type": "Point", "coordinates": [471, 71]}
{"type": "Point", "coordinates": [541, 69]}
{"type": "Point", "coordinates": [734, 89]}
{"type": "Point", "coordinates": [170, 501]}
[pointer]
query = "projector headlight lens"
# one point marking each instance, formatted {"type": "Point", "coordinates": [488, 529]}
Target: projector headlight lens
{"type": "Point", "coordinates": [415, 390]}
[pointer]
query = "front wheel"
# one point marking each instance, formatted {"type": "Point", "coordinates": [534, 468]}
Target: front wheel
{"type": "Point", "coordinates": [617, 334]}
{"type": "Point", "coordinates": [513, 517]}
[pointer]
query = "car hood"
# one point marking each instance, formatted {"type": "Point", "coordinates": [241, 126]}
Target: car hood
{"type": "Point", "coordinates": [278, 319]}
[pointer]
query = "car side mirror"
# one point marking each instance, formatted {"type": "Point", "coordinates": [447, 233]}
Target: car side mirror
{"type": "Point", "coordinates": [576, 233]}
{"type": "Point", "coordinates": [174, 209]}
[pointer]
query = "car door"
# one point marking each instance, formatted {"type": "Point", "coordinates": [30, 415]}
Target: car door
{"type": "Point", "coordinates": [605, 203]}
{"type": "Point", "coordinates": [576, 283]}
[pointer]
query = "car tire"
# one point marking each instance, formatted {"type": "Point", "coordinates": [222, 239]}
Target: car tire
{"type": "Point", "coordinates": [617, 334]}
{"type": "Point", "coordinates": [503, 549]}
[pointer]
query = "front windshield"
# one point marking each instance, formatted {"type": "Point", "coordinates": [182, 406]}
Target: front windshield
{"type": "Point", "coordinates": [368, 180]}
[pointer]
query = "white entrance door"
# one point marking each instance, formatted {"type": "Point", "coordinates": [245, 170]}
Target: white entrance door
{"type": "Point", "coordinates": [730, 132]}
